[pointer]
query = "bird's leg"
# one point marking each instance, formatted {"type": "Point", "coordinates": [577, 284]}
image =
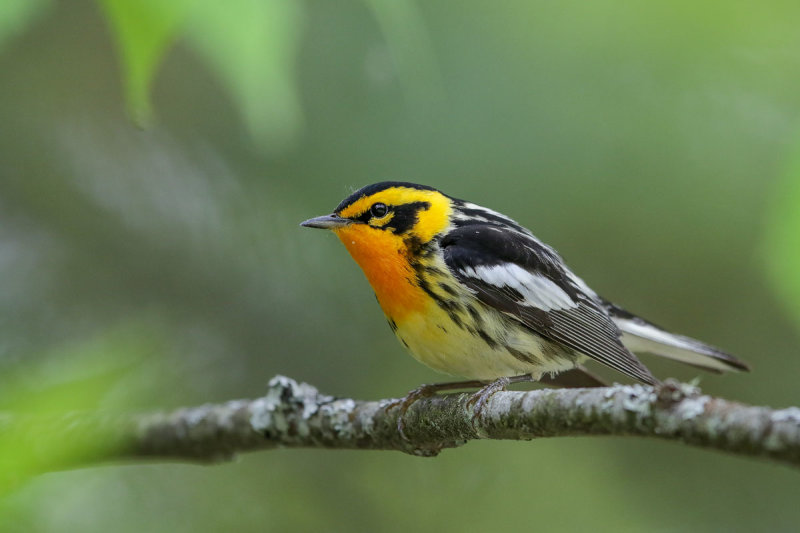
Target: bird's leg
{"type": "Point", "coordinates": [424, 391]}
{"type": "Point", "coordinates": [480, 398]}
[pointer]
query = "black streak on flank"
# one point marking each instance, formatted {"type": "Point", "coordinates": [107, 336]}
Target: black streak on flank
{"type": "Point", "coordinates": [487, 339]}
{"type": "Point", "coordinates": [522, 356]}
{"type": "Point", "coordinates": [452, 307]}
{"type": "Point", "coordinates": [455, 318]}
{"type": "Point", "coordinates": [433, 271]}
{"type": "Point", "coordinates": [393, 325]}
{"type": "Point", "coordinates": [448, 289]}
{"type": "Point", "coordinates": [417, 250]}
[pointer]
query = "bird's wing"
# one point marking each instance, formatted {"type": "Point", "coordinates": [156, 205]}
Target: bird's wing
{"type": "Point", "coordinates": [525, 279]}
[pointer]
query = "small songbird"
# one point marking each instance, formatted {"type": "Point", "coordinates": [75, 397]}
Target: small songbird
{"type": "Point", "coordinates": [472, 293]}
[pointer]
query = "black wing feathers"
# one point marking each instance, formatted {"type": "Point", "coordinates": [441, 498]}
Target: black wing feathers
{"type": "Point", "coordinates": [489, 244]}
{"type": "Point", "coordinates": [583, 326]}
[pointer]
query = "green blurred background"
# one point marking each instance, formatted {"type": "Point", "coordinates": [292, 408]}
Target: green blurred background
{"type": "Point", "coordinates": [655, 145]}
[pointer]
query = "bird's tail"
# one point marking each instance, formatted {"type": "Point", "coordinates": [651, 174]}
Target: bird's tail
{"type": "Point", "coordinates": [639, 335]}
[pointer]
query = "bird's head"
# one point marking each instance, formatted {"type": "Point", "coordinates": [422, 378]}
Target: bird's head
{"type": "Point", "coordinates": [380, 221]}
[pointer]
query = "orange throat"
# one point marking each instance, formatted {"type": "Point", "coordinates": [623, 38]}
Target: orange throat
{"type": "Point", "coordinates": [384, 260]}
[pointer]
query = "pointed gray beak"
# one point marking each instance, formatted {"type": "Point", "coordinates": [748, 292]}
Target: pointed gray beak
{"type": "Point", "coordinates": [326, 222]}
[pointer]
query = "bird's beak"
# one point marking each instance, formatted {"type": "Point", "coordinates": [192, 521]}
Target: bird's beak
{"type": "Point", "coordinates": [326, 222]}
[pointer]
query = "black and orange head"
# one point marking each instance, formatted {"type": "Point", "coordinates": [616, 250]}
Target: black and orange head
{"type": "Point", "coordinates": [391, 210]}
{"type": "Point", "coordinates": [383, 226]}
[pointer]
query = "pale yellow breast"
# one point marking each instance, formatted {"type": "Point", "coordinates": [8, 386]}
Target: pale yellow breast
{"type": "Point", "coordinates": [436, 341]}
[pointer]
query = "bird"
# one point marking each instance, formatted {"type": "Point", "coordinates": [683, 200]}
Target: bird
{"type": "Point", "coordinates": [472, 293]}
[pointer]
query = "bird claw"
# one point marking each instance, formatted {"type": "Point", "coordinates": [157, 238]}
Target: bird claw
{"type": "Point", "coordinates": [478, 400]}
{"type": "Point", "coordinates": [423, 391]}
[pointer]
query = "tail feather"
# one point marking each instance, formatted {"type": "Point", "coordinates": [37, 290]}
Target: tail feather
{"type": "Point", "coordinates": [639, 335]}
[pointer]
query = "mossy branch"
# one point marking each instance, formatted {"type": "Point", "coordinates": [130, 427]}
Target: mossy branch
{"type": "Point", "coordinates": [297, 415]}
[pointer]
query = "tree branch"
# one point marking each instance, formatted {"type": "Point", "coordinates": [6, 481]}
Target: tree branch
{"type": "Point", "coordinates": [297, 415]}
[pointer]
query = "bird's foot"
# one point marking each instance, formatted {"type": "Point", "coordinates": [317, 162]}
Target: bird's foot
{"type": "Point", "coordinates": [424, 391]}
{"type": "Point", "coordinates": [479, 399]}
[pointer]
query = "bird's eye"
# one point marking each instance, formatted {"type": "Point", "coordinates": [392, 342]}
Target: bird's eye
{"type": "Point", "coordinates": [378, 210]}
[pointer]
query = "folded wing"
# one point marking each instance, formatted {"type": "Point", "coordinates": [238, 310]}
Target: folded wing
{"type": "Point", "coordinates": [525, 279]}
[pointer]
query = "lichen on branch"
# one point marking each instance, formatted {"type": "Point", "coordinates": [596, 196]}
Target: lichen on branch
{"type": "Point", "coordinates": [295, 414]}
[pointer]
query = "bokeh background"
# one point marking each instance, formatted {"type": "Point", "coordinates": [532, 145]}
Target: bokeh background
{"type": "Point", "coordinates": [157, 156]}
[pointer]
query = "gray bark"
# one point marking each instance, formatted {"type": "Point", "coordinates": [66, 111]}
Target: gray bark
{"type": "Point", "coordinates": [297, 415]}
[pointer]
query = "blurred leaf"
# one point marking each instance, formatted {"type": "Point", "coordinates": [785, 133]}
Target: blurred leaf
{"type": "Point", "coordinates": [38, 403]}
{"type": "Point", "coordinates": [71, 376]}
{"type": "Point", "coordinates": [411, 49]}
{"type": "Point", "coordinates": [251, 45]}
{"type": "Point", "coordinates": [143, 30]}
{"type": "Point", "coordinates": [783, 238]}
{"type": "Point", "coordinates": [16, 15]}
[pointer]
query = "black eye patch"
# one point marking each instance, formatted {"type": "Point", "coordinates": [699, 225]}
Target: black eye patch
{"type": "Point", "coordinates": [406, 216]}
